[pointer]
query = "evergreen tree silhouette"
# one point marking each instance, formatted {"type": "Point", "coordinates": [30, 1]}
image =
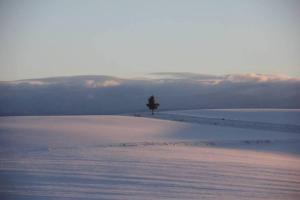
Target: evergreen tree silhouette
{"type": "Point", "coordinates": [152, 105]}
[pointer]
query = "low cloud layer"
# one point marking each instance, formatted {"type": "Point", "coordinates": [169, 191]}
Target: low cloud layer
{"type": "Point", "coordinates": [248, 77]}
{"type": "Point", "coordinates": [110, 95]}
{"type": "Point", "coordinates": [106, 83]}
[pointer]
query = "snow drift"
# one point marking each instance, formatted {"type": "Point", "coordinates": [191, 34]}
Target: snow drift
{"type": "Point", "coordinates": [122, 157]}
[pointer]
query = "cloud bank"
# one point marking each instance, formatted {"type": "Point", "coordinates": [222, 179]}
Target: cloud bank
{"type": "Point", "coordinates": [112, 95]}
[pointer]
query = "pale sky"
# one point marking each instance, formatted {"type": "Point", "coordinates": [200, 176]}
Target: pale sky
{"type": "Point", "coordinates": [128, 38]}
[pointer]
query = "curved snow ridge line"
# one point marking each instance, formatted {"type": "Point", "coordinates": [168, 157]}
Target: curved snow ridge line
{"type": "Point", "coordinates": [292, 128]}
{"type": "Point", "coordinates": [175, 143]}
{"type": "Point", "coordinates": [199, 143]}
{"type": "Point", "coordinates": [211, 143]}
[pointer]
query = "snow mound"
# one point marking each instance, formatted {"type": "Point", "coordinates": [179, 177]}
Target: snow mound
{"type": "Point", "coordinates": [121, 157]}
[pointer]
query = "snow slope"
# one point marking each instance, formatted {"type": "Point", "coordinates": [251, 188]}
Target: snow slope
{"type": "Point", "coordinates": [278, 116]}
{"type": "Point", "coordinates": [282, 120]}
{"type": "Point", "coordinates": [122, 157]}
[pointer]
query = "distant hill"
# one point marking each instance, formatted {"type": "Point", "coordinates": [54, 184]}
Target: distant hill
{"type": "Point", "coordinates": [111, 95]}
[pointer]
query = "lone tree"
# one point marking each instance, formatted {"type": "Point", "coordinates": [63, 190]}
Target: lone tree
{"type": "Point", "coordinates": [152, 105]}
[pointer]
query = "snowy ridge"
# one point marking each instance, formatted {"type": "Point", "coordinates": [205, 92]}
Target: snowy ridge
{"type": "Point", "coordinates": [121, 157]}
{"type": "Point", "coordinates": [293, 128]}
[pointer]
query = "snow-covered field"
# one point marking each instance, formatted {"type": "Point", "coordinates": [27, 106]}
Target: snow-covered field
{"type": "Point", "coordinates": [127, 157]}
{"type": "Point", "coordinates": [278, 116]}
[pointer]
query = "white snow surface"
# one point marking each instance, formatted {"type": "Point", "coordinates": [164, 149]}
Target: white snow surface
{"type": "Point", "coordinates": [126, 157]}
{"type": "Point", "coordinates": [278, 116]}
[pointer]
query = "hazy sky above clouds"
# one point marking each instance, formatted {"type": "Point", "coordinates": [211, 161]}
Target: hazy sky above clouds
{"type": "Point", "coordinates": [42, 38]}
